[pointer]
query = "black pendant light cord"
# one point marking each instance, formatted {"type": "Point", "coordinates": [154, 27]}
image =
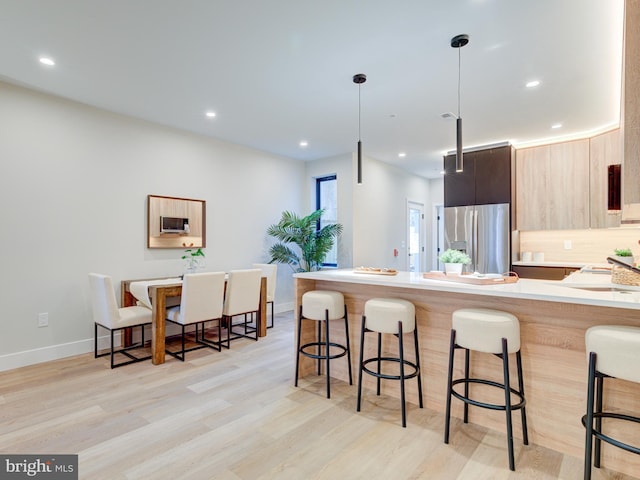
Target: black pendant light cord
{"type": "Point", "coordinates": [459, 77]}
{"type": "Point", "coordinates": [359, 111]}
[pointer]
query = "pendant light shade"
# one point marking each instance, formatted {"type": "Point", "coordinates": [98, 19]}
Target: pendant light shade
{"type": "Point", "coordinates": [458, 42]}
{"type": "Point", "coordinates": [459, 163]}
{"type": "Point", "coordinates": [359, 79]}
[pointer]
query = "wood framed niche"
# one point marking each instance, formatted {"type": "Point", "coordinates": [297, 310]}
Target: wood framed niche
{"type": "Point", "coordinates": [174, 222]}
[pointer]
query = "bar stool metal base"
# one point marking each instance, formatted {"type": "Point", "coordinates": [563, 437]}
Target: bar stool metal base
{"type": "Point", "coordinates": [401, 361]}
{"type": "Point", "coordinates": [323, 348]}
{"type": "Point", "coordinates": [596, 382]}
{"type": "Point", "coordinates": [507, 407]}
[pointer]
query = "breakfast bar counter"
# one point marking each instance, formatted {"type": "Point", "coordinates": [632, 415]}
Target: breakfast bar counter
{"type": "Point", "coordinates": [553, 319]}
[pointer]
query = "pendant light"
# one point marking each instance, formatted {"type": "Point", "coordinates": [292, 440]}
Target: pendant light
{"type": "Point", "coordinates": [458, 42]}
{"type": "Point", "coordinates": [359, 79]}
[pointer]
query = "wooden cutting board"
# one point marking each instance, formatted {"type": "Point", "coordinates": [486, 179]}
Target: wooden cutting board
{"type": "Point", "coordinates": [470, 278]}
{"type": "Point", "coordinates": [375, 271]}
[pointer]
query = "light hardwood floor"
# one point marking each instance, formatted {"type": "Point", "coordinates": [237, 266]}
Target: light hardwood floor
{"type": "Point", "coordinates": [237, 415]}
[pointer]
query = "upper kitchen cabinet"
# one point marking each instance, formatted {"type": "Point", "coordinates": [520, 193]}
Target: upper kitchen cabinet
{"type": "Point", "coordinates": [552, 186]}
{"type": "Point", "coordinates": [605, 150]}
{"type": "Point", "coordinates": [485, 179]}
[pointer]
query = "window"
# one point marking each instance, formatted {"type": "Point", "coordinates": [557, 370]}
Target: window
{"type": "Point", "coordinates": [327, 199]}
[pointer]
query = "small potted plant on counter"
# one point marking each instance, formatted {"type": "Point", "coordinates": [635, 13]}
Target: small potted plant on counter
{"type": "Point", "coordinates": [453, 261]}
{"type": "Point", "coordinates": [624, 255]}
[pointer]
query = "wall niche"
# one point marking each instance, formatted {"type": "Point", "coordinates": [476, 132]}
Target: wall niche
{"type": "Point", "coordinates": [175, 222]}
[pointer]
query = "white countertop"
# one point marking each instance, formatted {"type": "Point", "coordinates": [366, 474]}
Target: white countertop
{"type": "Point", "coordinates": [546, 290]}
{"type": "Point", "coordinates": [551, 264]}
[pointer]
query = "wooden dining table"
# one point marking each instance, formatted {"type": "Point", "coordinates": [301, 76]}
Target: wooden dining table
{"type": "Point", "coordinates": [159, 295]}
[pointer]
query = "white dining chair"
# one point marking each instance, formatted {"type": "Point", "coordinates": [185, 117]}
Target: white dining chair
{"type": "Point", "coordinates": [271, 272]}
{"type": "Point", "coordinates": [242, 299]}
{"type": "Point", "coordinates": [107, 315]}
{"type": "Point", "coordinates": [201, 301]}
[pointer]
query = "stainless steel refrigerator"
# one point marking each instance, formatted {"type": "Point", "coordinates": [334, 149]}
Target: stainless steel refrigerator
{"type": "Point", "coordinates": [483, 232]}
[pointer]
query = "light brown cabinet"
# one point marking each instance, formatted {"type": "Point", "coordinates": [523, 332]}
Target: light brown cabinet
{"type": "Point", "coordinates": [552, 186]}
{"type": "Point", "coordinates": [605, 150]}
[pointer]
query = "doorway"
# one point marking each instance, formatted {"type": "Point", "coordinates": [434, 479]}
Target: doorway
{"type": "Point", "coordinates": [415, 236]}
{"type": "Point", "coordinates": [438, 236]}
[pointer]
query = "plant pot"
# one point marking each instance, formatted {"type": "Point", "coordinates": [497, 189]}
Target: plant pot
{"type": "Point", "coordinates": [453, 268]}
{"type": "Point", "coordinates": [627, 260]}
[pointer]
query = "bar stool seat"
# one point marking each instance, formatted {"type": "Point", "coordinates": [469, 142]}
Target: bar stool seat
{"type": "Point", "coordinates": [498, 333]}
{"type": "Point", "coordinates": [323, 306]}
{"type": "Point", "coordinates": [613, 351]}
{"type": "Point", "coordinates": [396, 317]}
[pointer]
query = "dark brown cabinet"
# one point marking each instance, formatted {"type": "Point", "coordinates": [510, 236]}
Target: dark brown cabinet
{"type": "Point", "coordinates": [487, 177]}
{"type": "Point", "coordinates": [543, 273]}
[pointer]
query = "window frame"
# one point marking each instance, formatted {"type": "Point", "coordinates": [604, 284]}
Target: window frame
{"type": "Point", "coordinates": [319, 181]}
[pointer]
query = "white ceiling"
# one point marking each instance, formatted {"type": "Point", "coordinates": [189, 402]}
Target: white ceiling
{"type": "Point", "coordinates": [280, 71]}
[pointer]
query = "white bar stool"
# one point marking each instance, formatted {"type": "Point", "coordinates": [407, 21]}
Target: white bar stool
{"type": "Point", "coordinates": [487, 331]}
{"type": "Point", "coordinates": [396, 317]}
{"type": "Point", "coordinates": [323, 306]}
{"type": "Point", "coordinates": [614, 351]}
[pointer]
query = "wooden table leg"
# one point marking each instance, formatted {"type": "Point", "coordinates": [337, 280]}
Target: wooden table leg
{"type": "Point", "coordinates": [262, 309]}
{"type": "Point", "coordinates": [158, 324]}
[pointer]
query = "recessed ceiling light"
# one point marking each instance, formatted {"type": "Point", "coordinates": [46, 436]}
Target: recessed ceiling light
{"type": "Point", "coordinates": [442, 172]}
{"type": "Point", "coordinates": [303, 143]}
{"type": "Point", "coordinates": [210, 114]}
{"type": "Point", "coordinates": [47, 61]}
{"type": "Point", "coordinates": [556, 125]}
{"type": "Point", "coordinates": [533, 83]}
{"type": "Point", "coordinates": [402, 154]}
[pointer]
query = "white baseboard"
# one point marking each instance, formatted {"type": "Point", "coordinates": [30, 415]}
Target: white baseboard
{"type": "Point", "coordinates": [56, 352]}
{"type": "Point", "coordinates": [45, 354]}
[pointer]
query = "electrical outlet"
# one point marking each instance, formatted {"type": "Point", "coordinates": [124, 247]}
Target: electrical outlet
{"type": "Point", "coordinates": [43, 320]}
{"type": "Point", "coordinates": [568, 245]}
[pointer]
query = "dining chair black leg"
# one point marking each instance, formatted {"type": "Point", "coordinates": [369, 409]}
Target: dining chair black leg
{"type": "Point", "coordinates": [112, 359]}
{"type": "Point", "coordinates": [95, 340]}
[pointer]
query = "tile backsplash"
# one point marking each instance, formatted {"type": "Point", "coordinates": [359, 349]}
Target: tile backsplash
{"type": "Point", "coordinates": [588, 246]}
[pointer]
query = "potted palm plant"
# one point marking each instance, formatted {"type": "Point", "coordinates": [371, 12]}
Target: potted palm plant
{"type": "Point", "coordinates": [301, 245]}
{"type": "Point", "coordinates": [453, 261]}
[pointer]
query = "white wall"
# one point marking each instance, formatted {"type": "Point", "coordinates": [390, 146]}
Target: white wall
{"type": "Point", "coordinates": [73, 200]}
{"type": "Point", "coordinates": [380, 211]}
{"type": "Point", "coordinates": [373, 214]}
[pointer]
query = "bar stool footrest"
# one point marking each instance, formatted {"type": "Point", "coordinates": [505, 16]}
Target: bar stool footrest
{"type": "Point", "coordinates": [613, 441]}
{"type": "Point", "coordinates": [341, 353]}
{"type": "Point", "coordinates": [491, 406]}
{"type": "Point", "coordinates": [409, 364]}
